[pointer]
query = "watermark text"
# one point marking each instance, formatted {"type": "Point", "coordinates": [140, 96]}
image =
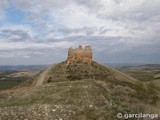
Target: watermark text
{"type": "Point", "coordinates": [138, 115]}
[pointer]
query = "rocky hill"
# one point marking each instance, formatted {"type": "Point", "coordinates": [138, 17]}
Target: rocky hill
{"type": "Point", "coordinates": [79, 89]}
{"type": "Point", "coordinates": [77, 71]}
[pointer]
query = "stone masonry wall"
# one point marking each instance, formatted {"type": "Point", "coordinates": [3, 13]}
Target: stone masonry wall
{"type": "Point", "coordinates": [80, 54]}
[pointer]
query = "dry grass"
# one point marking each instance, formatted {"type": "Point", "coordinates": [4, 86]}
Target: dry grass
{"type": "Point", "coordinates": [99, 97]}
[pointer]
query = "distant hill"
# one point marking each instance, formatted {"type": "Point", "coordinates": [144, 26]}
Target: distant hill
{"type": "Point", "coordinates": [77, 71]}
{"type": "Point", "coordinates": [79, 91]}
{"type": "Point", "coordinates": [142, 66]}
{"type": "Point", "coordinates": [22, 67]}
{"type": "Point", "coordinates": [147, 72]}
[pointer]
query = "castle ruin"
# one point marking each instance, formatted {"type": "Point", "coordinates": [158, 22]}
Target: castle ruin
{"type": "Point", "coordinates": [80, 54]}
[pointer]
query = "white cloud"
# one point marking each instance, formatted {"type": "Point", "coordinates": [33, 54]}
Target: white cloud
{"type": "Point", "coordinates": [3, 5]}
{"type": "Point", "coordinates": [26, 56]}
{"type": "Point", "coordinates": [113, 26]}
{"type": "Point", "coordinates": [33, 45]}
{"type": "Point", "coordinates": [111, 14]}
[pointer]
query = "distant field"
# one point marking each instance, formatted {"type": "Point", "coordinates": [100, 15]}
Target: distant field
{"type": "Point", "coordinates": [143, 73]}
{"type": "Point", "coordinates": [6, 84]}
{"type": "Point", "coordinates": [9, 82]}
{"type": "Point", "coordinates": [11, 76]}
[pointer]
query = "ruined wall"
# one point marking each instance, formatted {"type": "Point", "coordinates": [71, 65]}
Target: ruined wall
{"type": "Point", "coordinates": [80, 54]}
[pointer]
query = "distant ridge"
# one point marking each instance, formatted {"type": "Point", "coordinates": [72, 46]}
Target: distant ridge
{"type": "Point", "coordinates": [21, 67]}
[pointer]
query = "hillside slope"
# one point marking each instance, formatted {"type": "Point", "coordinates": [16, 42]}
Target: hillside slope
{"type": "Point", "coordinates": [78, 91]}
{"type": "Point", "coordinates": [77, 71]}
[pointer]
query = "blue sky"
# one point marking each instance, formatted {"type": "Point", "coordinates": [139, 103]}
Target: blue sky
{"type": "Point", "coordinates": [14, 16]}
{"type": "Point", "coordinates": [41, 31]}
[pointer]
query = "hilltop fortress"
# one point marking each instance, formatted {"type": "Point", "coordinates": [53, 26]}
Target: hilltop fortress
{"type": "Point", "coordinates": [80, 54]}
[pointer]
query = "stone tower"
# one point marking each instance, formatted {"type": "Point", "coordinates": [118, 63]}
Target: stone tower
{"type": "Point", "coordinates": [80, 54]}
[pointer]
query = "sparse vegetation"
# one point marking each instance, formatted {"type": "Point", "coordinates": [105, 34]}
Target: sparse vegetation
{"type": "Point", "coordinates": [80, 92]}
{"type": "Point", "coordinates": [143, 73]}
{"type": "Point", "coordinates": [7, 81]}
